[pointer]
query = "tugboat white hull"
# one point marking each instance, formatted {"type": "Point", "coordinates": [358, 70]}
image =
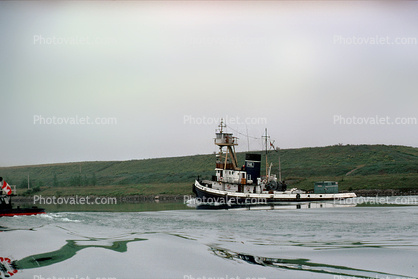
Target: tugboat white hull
{"type": "Point", "coordinates": [206, 194]}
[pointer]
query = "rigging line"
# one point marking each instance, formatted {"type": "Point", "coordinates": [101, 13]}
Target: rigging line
{"type": "Point", "coordinates": [242, 133]}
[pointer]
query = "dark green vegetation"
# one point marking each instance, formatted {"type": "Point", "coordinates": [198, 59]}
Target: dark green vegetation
{"type": "Point", "coordinates": [355, 167]}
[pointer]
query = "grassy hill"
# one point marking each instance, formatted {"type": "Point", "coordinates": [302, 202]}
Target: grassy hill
{"type": "Point", "coordinates": [354, 166]}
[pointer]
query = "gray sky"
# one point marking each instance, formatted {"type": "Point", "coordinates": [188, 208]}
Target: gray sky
{"type": "Point", "coordinates": [165, 71]}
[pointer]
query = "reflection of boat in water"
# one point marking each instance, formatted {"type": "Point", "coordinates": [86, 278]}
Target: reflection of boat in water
{"type": "Point", "coordinates": [303, 264]}
{"type": "Point", "coordinates": [6, 206]}
{"type": "Point", "coordinates": [232, 184]}
{"type": "Point", "coordinates": [269, 206]}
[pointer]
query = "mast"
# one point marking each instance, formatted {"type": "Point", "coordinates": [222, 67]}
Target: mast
{"type": "Point", "coordinates": [280, 167]}
{"type": "Point", "coordinates": [226, 140]}
{"type": "Point", "coordinates": [265, 141]}
{"type": "Point", "coordinates": [221, 126]}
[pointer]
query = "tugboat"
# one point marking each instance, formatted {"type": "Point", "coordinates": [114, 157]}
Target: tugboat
{"type": "Point", "coordinates": [234, 185]}
{"type": "Point", "coordinates": [6, 206]}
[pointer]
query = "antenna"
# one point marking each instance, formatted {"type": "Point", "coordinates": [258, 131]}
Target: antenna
{"type": "Point", "coordinates": [248, 139]}
{"type": "Point", "coordinates": [280, 167]}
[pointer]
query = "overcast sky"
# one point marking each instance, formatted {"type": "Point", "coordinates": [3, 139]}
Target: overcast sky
{"type": "Point", "coordinates": [159, 75]}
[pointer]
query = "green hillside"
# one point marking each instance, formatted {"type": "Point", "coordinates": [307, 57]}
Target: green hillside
{"type": "Point", "coordinates": [354, 166]}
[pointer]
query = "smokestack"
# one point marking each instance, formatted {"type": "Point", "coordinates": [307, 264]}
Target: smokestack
{"type": "Point", "coordinates": [252, 166]}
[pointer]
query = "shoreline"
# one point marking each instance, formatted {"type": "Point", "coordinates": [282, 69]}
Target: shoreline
{"type": "Point", "coordinates": [179, 198]}
{"type": "Point", "coordinates": [384, 192]}
{"type": "Point", "coordinates": [120, 199]}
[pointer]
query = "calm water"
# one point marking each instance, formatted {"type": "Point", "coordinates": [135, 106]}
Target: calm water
{"type": "Point", "coordinates": [322, 241]}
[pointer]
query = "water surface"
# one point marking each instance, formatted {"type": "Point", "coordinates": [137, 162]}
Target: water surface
{"type": "Point", "coordinates": [316, 242]}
